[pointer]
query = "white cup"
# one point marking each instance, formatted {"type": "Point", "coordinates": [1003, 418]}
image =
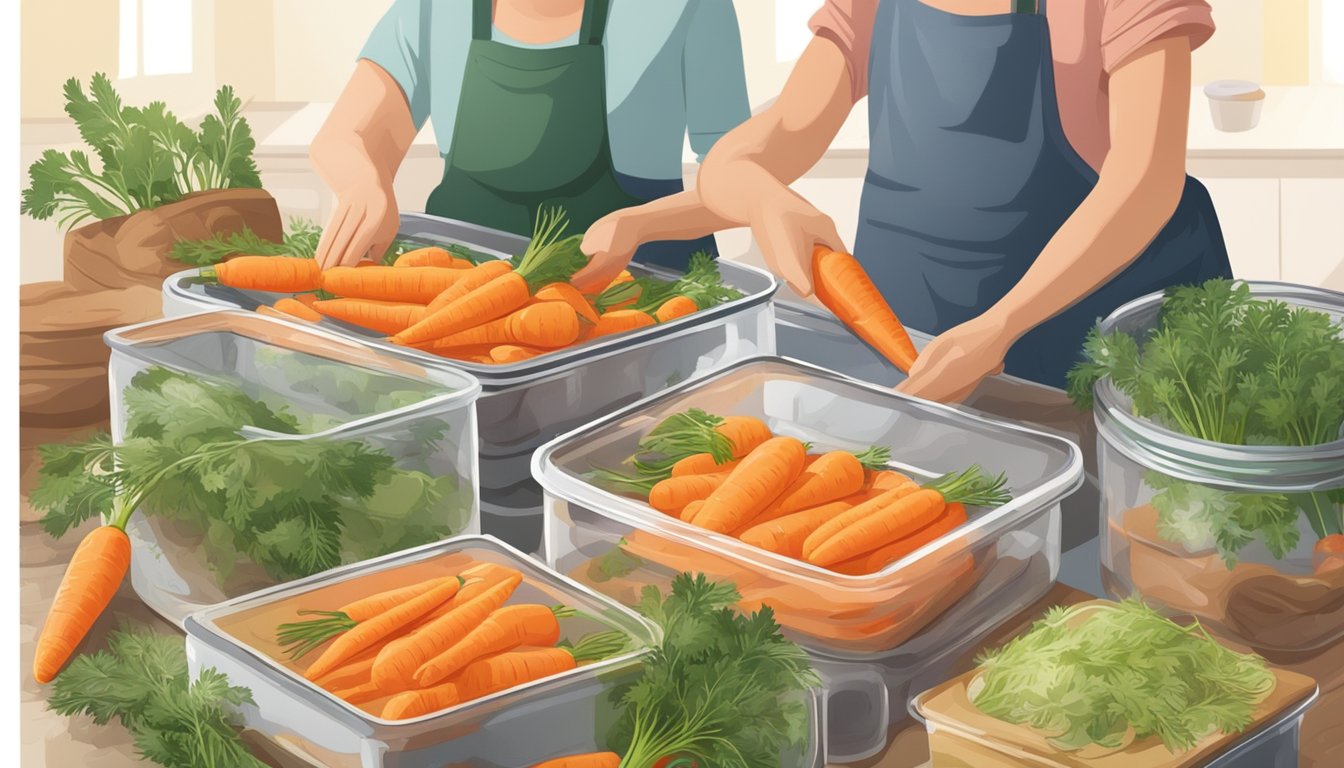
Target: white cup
{"type": "Point", "coordinates": [1235, 104]}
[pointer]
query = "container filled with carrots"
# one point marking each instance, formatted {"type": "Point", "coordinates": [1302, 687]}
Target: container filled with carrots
{"type": "Point", "coordinates": [247, 452]}
{"type": "Point", "coordinates": [887, 533]}
{"type": "Point", "coordinates": [440, 655]}
{"type": "Point", "coordinates": [549, 358]}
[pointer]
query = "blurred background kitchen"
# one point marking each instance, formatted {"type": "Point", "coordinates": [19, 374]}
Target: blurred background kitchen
{"type": "Point", "coordinates": [1279, 187]}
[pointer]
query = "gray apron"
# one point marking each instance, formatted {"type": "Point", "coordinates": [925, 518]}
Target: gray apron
{"type": "Point", "coordinates": [970, 175]}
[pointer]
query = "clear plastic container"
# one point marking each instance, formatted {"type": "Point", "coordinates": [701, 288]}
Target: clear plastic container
{"type": "Point", "coordinates": [961, 736]}
{"type": "Point", "coordinates": [1159, 484]}
{"type": "Point", "coordinates": [413, 427]}
{"type": "Point", "coordinates": [570, 713]}
{"type": "Point", "coordinates": [868, 635]}
{"type": "Point", "coordinates": [525, 404]}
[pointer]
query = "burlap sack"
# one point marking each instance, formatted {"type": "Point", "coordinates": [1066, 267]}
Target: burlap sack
{"type": "Point", "coordinates": [133, 250]}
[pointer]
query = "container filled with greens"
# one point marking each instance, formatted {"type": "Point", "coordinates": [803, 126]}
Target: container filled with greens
{"type": "Point", "coordinates": [1116, 685]}
{"type": "Point", "coordinates": [247, 451]}
{"type": "Point", "coordinates": [1220, 413]}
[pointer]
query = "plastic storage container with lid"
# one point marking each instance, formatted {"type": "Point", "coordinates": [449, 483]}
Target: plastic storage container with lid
{"type": "Point", "coordinates": [525, 404]}
{"type": "Point", "coordinates": [872, 636]}
{"type": "Point", "coordinates": [961, 736]}
{"type": "Point", "coordinates": [1160, 489]}
{"type": "Point", "coordinates": [316, 401]}
{"type": "Point", "coordinates": [570, 713]}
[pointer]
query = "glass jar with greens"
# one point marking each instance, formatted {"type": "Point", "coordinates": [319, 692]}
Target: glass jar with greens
{"type": "Point", "coordinates": [1221, 453]}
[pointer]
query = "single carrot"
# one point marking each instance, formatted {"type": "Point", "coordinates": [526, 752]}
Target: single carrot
{"type": "Point", "coordinates": [571, 296]}
{"type": "Point", "coordinates": [688, 512]}
{"type": "Point", "coordinates": [470, 280]}
{"type": "Point", "coordinates": [675, 493]}
{"type": "Point", "coordinates": [431, 256]}
{"type": "Point", "coordinates": [376, 315]}
{"type": "Point", "coordinates": [744, 433]}
{"type": "Point", "coordinates": [277, 274]}
{"type": "Point", "coordinates": [753, 485]}
{"type": "Point", "coordinates": [504, 630]}
{"type": "Point", "coordinates": [296, 308]}
{"type": "Point", "coordinates": [306, 299]}
{"type": "Point", "coordinates": [785, 535]}
{"type": "Point", "coordinates": [905, 516]}
{"type": "Point", "coordinates": [701, 464]}
{"type": "Point", "coordinates": [349, 675]}
{"type": "Point", "coordinates": [396, 664]}
{"type": "Point", "coordinates": [829, 477]}
{"type": "Point", "coordinates": [407, 285]}
{"type": "Point", "coordinates": [410, 704]}
{"type": "Point", "coordinates": [1327, 554]}
{"type": "Point", "coordinates": [545, 325]}
{"type": "Point", "coordinates": [620, 321]}
{"type": "Point", "coordinates": [675, 307]}
{"type": "Point", "coordinates": [952, 517]}
{"type": "Point", "coordinates": [845, 289]}
{"type": "Point", "coordinates": [512, 353]}
{"type": "Point", "coordinates": [589, 760]}
{"type": "Point", "coordinates": [501, 672]}
{"type": "Point", "coordinates": [887, 479]}
{"type": "Point", "coordinates": [301, 637]}
{"type": "Point", "coordinates": [856, 513]}
{"type": "Point", "coordinates": [360, 694]}
{"type": "Point", "coordinates": [95, 571]}
{"type": "Point", "coordinates": [381, 626]}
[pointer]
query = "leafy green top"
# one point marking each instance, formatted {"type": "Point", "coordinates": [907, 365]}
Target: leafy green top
{"type": "Point", "coordinates": [702, 283]}
{"type": "Point", "coordinates": [722, 687]}
{"type": "Point", "coordinates": [550, 258]}
{"type": "Point", "coordinates": [1086, 674]}
{"type": "Point", "coordinates": [142, 681]}
{"type": "Point", "coordinates": [147, 156]}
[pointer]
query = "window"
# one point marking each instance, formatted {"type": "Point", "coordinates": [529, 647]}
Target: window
{"type": "Point", "coordinates": [791, 31]}
{"type": "Point", "coordinates": [156, 37]}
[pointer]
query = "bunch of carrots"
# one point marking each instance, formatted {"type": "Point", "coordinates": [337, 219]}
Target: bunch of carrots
{"type": "Point", "coordinates": [843, 511]}
{"type": "Point", "coordinates": [431, 645]}
{"type": "Point", "coordinates": [492, 313]}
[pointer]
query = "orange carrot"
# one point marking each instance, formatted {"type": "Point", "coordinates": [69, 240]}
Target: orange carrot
{"type": "Point", "coordinates": [953, 516]}
{"type": "Point", "coordinates": [675, 493]}
{"type": "Point", "coordinates": [504, 630]}
{"type": "Point", "coordinates": [624, 277]}
{"type": "Point", "coordinates": [785, 535]}
{"type": "Point", "coordinates": [753, 485]}
{"type": "Point", "coordinates": [887, 479]}
{"type": "Point", "coordinates": [845, 289]}
{"type": "Point", "coordinates": [495, 299]}
{"type": "Point", "coordinates": [675, 307]}
{"type": "Point", "coordinates": [851, 516]}
{"type": "Point", "coordinates": [832, 476]}
{"type": "Point", "coordinates": [278, 274]}
{"type": "Point", "coordinates": [397, 663]}
{"type": "Point", "coordinates": [470, 280]}
{"type": "Point", "coordinates": [95, 571]}
{"type": "Point", "coordinates": [571, 296]}
{"type": "Point", "coordinates": [410, 704]}
{"type": "Point", "coordinates": [620, 321]}
{"type": "Point", "coordinates": [381, 316]}
{"type": "Point", "coordinates": [306, 299]}
{"type": "Point", "coordinates": [379, 627]}
{"type": "Point", "coordinates": [546, 325]}
{"type": "Point", "coordinates": [296, 308]}
{"type": "Point", "coordinates": [508, 670]}
{"type": "Point", "coordinates": [688, 512]}
{"type": "Point", "coordinates": [349, 675]}
{"type": "Point", "coordinates": [589, 760]}
{"type": "Point", "coordinates": [431, 257]}
{"type": "Point", "coordinates": [478, 579]}
{"type": "Point", "coordinates": [409, 285]}
{"type": "Point", "coordinates": [300, 637]}
{"type": "Point", "coordinates": [359, 694]}
{"type": "Point", "coordinates": [745, 433]}
{"type": "Point", "coordinates": [701, 464]}
{"type": "Point", "coordinates": [512, 353]}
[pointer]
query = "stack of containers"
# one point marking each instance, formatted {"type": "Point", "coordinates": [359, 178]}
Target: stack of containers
{"type": "Point", "coordinates": [414, 425]}
{"type": "Point", "coordinates": [525, 404]}
{"type": "Point", "coordinates": [566, 714]}
{"type": "Point", "coordinates": [875, 639]}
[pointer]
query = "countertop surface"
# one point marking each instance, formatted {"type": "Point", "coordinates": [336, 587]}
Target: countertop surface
{"type": "Point", "coordinates": [1297, 121]}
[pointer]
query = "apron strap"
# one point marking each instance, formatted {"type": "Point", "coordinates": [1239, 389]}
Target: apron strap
{"type": "Point", "coordinates": [1026, 6]}
{"type": "Point", "coordinates": [594, 24]}
{"type": "Point", "coordinates": [482, 19]}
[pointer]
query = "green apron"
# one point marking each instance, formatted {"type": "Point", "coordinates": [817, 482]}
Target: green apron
{"type": "Point", "coordinates": [531, 131]}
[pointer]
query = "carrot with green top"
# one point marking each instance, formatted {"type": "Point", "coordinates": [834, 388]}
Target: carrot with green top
{"type": "Point", "coordinates": [504, 630]}
{"type": "Point", "coordinates": [785, 535]}
{"type": "Point", "coordinates": [952, 517]}
{"type": "Point", "coordinates": [470, 280]}
{"type": "Point", "coordinates": [514, 668]}
{"type": "Point", "coordinates": [276, 274]}
{"type": "Point", "coordinates": [381, 316]}
{"type": "Point", "coordinates": [571, 296]}
{"type": "Point", "coordinates": [675, 307]}
{"type": "Point", "coordinates": [753, 485]}
{"type": "Point", "coordinates": [905, 516]}
{"type": "Point", "coordinates": [675, 493]}
{"type": "Point", "coordinates": [544, 325]}
{"type": "Point", "coordinates": [845, 288]}
{"type": "Point", "coordinates": [548, 259]}
{"type": "Point", "coordinates": [589, 760]}
{"type": "Point", "coordinates": [301, 637]}
{"type": "Point", "coordinates": [701, 464]}
{"type": "Point", "coordinates": [620, 321]}
{"type": "Point", "coordinates": [831, 476]}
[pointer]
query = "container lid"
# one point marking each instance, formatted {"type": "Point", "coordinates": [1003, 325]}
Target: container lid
{"type": "Point", "coordinates": [1234, 90]}
{"type": "Point", "coordinates": [1045, 468]}
{"type": "Point", "coordinates": [335, 381]}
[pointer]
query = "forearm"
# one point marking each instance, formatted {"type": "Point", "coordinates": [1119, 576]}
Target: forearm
{"type": "Point", "coordinates": [682, 216]}
{"type": "Point", "coordinates": [368, 133]}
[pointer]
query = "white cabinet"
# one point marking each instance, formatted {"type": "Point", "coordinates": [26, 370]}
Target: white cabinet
{"type": "Point", "coordinates": [1312, 240]}
{"type": "Point", "coordinates": [1248, 212]}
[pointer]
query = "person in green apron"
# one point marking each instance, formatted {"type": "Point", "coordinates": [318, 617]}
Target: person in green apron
{"type": "Point", "coordinates": [580, 104]}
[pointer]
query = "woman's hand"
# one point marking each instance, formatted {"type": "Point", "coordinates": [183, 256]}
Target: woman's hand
{"type": "Point", "coordinates": [364, 224]}
{"type": "Point", "coordinates": [609, 243]}
{"type": "Point", "coordinates": [786, 228]}
{"type": "Point", "coordinates": [952, 365]}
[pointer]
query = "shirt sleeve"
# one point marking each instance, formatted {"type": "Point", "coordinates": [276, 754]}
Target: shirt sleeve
{"type": "Point", "coordinates": [1129, 25]}
{"type": "Point", "coordinates": [715, 80]}
{"type": "Point", "coordinates": [849, 24]}
{"type": "Point", "coordinates": [399, 45]}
